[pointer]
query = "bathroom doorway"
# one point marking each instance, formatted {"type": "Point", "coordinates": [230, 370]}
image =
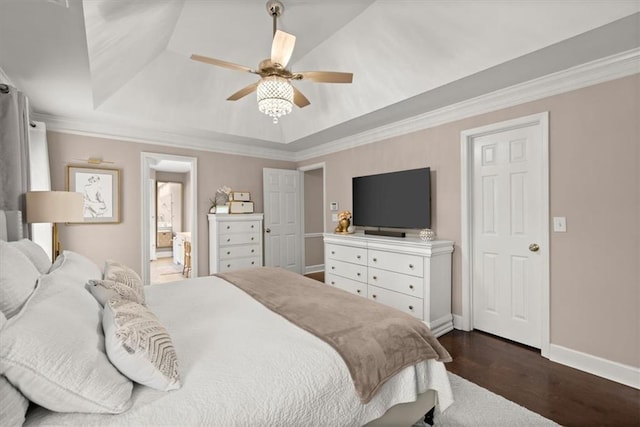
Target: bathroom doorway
{"type": "Point", "coordinates": [169, 218]}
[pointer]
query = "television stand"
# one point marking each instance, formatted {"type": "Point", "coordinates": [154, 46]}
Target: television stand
{"type": "Point", "coordinates": [385, 233]}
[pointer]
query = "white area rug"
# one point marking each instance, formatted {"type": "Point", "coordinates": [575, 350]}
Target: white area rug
{"type": "Point", "coordinates": [477, 406]}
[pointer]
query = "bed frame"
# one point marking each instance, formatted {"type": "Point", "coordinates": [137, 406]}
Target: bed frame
{"type": "Point", "coordinates": [403, 414]}
{"type": "Point", "coordinates": [407, 414]}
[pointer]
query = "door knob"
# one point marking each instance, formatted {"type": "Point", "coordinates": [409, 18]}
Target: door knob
{"type": "Point", "coordinates": [267, 230]}
{"type": "Point", "coordinates": [534, 247]}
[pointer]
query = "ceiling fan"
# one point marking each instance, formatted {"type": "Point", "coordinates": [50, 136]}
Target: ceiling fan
{"type": "Point", "coordinates": [275, 92]}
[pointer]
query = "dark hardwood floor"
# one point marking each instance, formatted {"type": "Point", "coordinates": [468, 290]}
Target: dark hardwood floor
{"type": "Point", "coordinates": [519, 373]}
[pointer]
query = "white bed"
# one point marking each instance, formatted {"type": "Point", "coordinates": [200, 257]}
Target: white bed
{"type": "Point", "coordinates": [241, 364]}
{"type": "Point", "coordinates": [262, 371]}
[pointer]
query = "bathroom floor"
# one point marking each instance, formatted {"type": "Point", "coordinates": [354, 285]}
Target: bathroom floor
{"type": "Point", "coordinates": [164, 270]}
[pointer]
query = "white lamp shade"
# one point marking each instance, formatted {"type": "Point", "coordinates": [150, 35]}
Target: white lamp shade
{"type": "Point", "coordinates": [54, 206]}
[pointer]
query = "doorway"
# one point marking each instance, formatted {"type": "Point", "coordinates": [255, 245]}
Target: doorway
{"type": "Point", "coordinates": [169, 217]}
{"type": "Point", "coordinates": [167, 264]}
{"type": "Point", "coordinates": [505, 230]}
{"type": "Point", "coordinates": [313, 218]}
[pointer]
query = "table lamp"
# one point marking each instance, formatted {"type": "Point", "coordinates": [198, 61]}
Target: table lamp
{"type": "Point", "coordinates": [54, 207]}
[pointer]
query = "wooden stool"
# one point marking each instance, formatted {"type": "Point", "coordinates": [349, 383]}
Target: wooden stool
{"type": "Point", "coordinates": [186, 268]}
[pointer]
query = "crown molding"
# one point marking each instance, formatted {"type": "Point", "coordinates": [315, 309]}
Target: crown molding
{"type": "Point", "coordinates": [4, 78]}
{"type": "Point", "coordinates": [584, 75]}
{"type": "Point", "coordinates": [168, 138]}
{"type": "Point", "coordinates": [599, 71]}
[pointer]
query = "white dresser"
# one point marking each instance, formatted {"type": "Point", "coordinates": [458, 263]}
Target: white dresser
{"type": "Point", "coordinates": [235, 242]}
{"type": "Point", "coordinates": [405, 273]}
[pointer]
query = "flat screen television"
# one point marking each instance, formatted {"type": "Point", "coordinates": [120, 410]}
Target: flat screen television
{"type": "Point", "coordinates": [393, 200]}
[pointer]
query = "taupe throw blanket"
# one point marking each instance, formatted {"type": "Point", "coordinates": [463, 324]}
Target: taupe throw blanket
{"type": "Point", "coordinates": [374, 340]}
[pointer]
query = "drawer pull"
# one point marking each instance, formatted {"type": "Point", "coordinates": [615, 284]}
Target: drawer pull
{"type": "Point", "coordinates": [333, 267]}
{"type": "Point", "coordinates": [228, 252]}
{"type": "Point", "coordinates": [410, 307]}
{"type": "Point", "coordinates": [410, 286]}
{"type": "Point", "coordinates": [410, 265]}
{"type": "Point", "coordinates": [253, 250]}
{"type": "Point", "coordinates": [228, 265]}
{"type": "Point", "coordinates": [375, 277]}
{"type": "Point", "coordinates": [228, 227]}
{"type": "Point", "coordinates": [253, 238]}
{"type": "Point", "coordinates": [358, 290]}
{"type": "Point", "coordinates": [333, 252]}
{"type": "Point", "coordinates": [375, 260]}
{"type": "Point", "coordinates": [251, 225]}
{"type": "Point", "coordinates": [358, 257]}
{"type": "Point", "coordinates": [358, 274]}
{"type": "Point", "coordinates": [333, 283]}
{"type": "Point", "coordinates": [229, 239]}
{"type": "Point", "coordinates": [374, 296]}
{"type": "Point", "coordinates": [253, 262]}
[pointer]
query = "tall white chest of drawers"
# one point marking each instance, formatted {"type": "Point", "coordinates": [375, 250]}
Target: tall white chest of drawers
{"type": "Point", "coordinates": [408, 274]}
{"type": "Point", "coordinates": [235, 242]}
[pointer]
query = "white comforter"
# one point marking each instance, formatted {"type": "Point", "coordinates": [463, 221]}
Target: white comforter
{"type": "Point", "coordinates": [243, 365]}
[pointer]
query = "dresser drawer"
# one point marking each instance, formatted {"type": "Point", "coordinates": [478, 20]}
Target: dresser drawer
{"type": "Point", "coordinates": [239, 251]}
{"type": "Point", "coordinates": [238, 227]}
{"type": "Point", "coordinates": [347, 253]}
{"type": "Point", "coordinates": [403, 283]}
{"type": "Point", "coordinates": [348, 285]}
{"type": "Point", "coordinates": [408, 304]}
{"type": "Point", "coordinates": [239, 239]}
{"type": "Point", "coordinates": [238, 263]}
{"type": "Point", "coordinates": [346, 269]}
{"type": "Point", "coordinates": [400, 263]}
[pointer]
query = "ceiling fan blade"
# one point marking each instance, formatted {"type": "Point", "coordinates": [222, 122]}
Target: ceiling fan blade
{"type": "Point", "coordinates": [324, 76]}
{"type": "Point", "coordinates": [282, 48]}
{"type": "Point", "coordinates": [299, 99]}
{"type": "Point", "coordinates": [244, 92]}
{"type": "Point", "coordinates": [221, 63]}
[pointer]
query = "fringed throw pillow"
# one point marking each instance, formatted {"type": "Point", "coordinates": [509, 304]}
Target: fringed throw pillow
{"type": "Point", "coordinates": [119, 272]}
{"type": "Point", "coordinates": [104, 290]}
{"type": "Point", "coordinates": [139, 346]}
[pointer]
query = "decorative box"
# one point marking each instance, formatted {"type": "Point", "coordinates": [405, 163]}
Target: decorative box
{"type": "Point", "coordinates": [240, 196]}
{"type": "Point", "coordinates": [240, 207]}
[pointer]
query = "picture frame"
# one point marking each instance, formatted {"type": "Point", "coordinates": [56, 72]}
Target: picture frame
{"type": "Point", "coordinates": [101, 191]}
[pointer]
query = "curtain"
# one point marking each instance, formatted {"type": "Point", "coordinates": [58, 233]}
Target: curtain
{"type": "Point", "coordinates": [14, 149]}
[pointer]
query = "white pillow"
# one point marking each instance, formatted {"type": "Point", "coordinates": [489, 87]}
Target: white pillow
{"type": "Point", "coordinates": [35, 253]}
{"type": "Point", "coordinates": [13, 405]}
{"type": "Point", "coordinates": [119, 272]}
{"type": "Point", "coordinates": [78, 266]}
{"type": "Point", "coordinates": [18, 277]}
{"type": "Point", "coordinates": [53, 350]}
{"type": "Point", "coordinates": [139, 346]}
{"type": "Point", "coordinates": [103, 290]}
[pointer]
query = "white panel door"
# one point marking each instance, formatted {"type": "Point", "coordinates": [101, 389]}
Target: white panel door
{"type": "Point", "coordinates": [506, 266]}
{"type": "Point", "coordinates": [282, 222]}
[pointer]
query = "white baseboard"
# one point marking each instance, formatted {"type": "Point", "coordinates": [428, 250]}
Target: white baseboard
{"type": "Point", "coordinates": [441, 326]}
{"type": "Point", "coordinates": [458, 323]}
{"type": "Point", "coordinates": [614, 371]}
{"type": "Point", "coordinates": [313, 268]}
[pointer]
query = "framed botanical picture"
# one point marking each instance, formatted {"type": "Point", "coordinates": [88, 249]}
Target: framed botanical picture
{"type": "Point", "coordinates": [100, 189]}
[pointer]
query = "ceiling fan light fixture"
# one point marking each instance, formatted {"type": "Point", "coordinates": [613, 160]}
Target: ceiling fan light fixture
{"type": "Point", "coordinates": [275, 97]}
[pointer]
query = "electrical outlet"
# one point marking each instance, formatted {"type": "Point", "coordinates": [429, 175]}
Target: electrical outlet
{"type": "Point", "coordinates": [334, 217]}
{"type": "Point", "coordinates": [560, 224]}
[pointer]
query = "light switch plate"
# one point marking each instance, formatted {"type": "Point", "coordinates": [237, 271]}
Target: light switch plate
{"type": "Point", "coordinates": [334, 217]}
{"type": "Point", "coordinates": [333, 206]}
{"type": "Point", "coordinates": [560, 224]}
